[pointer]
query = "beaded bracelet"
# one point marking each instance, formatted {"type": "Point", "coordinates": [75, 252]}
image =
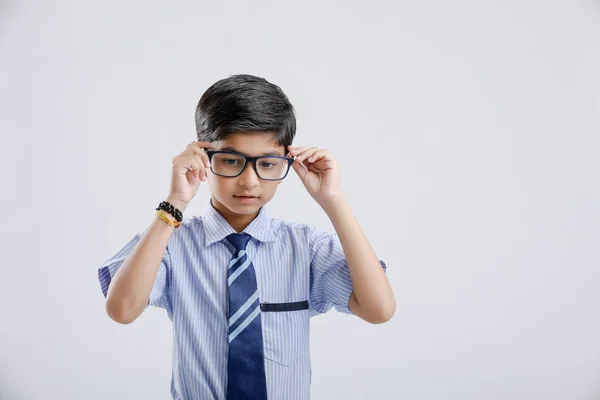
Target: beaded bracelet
{"type": "Point", "coordinates": [168, 207]}
{"type": "Point", "coordinates": [163, 215]}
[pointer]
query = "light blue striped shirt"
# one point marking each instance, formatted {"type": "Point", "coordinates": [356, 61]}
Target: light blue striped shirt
{"type": "Point", "coordinates": [293, 263]}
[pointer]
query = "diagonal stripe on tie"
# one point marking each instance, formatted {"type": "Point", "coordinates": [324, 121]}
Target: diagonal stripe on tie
{"type": "Point", "coordinates": [242, 318]}
{"type": "Point", "coordinates": [243, 308]}
{"type": "Point", "coordinates": [244, 324]}
{"type": "Point", "coordinates": [233, 276]}
{"type": "Point", "coordinates": [240, 254]}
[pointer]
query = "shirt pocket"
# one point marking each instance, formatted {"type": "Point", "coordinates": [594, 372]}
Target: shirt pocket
{"type": "Point", "coordinates": [286, 332]}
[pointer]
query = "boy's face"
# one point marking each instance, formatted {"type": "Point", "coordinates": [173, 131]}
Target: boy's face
{"type": "Point", "coordinates": [227, 193]}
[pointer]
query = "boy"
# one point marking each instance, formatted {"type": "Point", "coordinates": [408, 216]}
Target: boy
{"type": "Point", "coordinates": [238, 285]}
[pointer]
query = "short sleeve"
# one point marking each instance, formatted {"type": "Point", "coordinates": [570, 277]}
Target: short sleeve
{"type": "Point", "coordinates": [160, 294]}
{"type": "Point", "coordinates": [330, 281]}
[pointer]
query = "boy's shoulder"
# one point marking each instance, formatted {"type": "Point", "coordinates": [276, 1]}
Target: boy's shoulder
{"type": "Point", "coordinates": [279, 224]}
{"type": "Point", "coordinates": [300, 233]}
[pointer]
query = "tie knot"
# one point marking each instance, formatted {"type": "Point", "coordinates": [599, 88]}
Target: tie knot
{"type": "Point", "coordinates": [239, 240]}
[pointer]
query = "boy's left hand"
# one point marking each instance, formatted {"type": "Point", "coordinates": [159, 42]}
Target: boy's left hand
{"type": "Point", "coordinates": [321, 176]}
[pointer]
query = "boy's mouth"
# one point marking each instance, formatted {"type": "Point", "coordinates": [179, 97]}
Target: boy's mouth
{"type": "Point", "coordinates": [245, 199]}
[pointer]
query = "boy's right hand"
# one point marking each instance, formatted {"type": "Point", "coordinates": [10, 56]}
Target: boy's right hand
{"type": "Point", "coordinates": [190, 168]}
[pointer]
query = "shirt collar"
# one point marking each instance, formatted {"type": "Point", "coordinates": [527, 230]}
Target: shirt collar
{"type": "Point", "coordinates": [216, 228]}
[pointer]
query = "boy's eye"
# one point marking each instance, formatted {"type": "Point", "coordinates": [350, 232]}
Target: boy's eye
{"type": "Point", "coordinates": [231, 161]}
{"type": "Point", "coordinates": [266, 164]}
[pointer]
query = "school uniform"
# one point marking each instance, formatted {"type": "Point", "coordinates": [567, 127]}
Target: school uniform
{"type": "Point", "coordinates": [300, 272]}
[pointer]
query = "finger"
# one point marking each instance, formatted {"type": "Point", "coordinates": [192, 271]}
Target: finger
{"type": "Point", "coordinates": [197, 143]}
{"type": "Point", "coordinates": [317, 156]}
{"type": "Point", "coordinates": [203, 161]}
{"type": "Point", "coordinates": [186, 163]}
{"type": "Point", "coordinates": [202, 155]}
{"type": "Point", "coordinates": [197, 147]}
{"type": "Point", "coordinates": [299, 150]}
{"type": "Point", "coordinates": [306, 154]}
{"type": "Point", "coordinates": [195, 164]}
{"type": "Point", "coordinates": [300, 170]}
{"type": "Point", "coordinates": [202, 145]}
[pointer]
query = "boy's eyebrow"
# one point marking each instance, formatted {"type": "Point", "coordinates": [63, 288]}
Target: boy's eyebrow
{"type": "Point", "coordinates": [269, 153]}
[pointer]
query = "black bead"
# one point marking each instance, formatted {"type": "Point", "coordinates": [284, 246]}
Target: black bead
{"type": "Point", "coordinates": [166, 206]}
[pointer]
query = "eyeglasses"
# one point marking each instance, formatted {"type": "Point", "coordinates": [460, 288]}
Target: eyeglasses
{"type": "Point", "coordinates": [230, 164]}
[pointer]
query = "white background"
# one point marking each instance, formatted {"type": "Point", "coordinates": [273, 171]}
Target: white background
{"type": "Point", "coordinates": [468, 135]}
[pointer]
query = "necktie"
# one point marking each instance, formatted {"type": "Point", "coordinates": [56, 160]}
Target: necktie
{"type": "Point", "coordinates": [246, 364]}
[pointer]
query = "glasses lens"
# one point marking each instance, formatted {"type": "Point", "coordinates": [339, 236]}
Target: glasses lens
{"type": "Point", "coordinates": [227, 164]}
{"type": "Point", "coordinates": [271, 167]}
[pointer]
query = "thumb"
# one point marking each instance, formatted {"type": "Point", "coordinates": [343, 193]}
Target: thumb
{"type": "Point", "coordinates": [300, 170]}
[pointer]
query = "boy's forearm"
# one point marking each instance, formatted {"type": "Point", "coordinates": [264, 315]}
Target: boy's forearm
{"type": "Point", "coordinates": [373, 294]}
{"type": "Point", "coordinates": [130, 288]}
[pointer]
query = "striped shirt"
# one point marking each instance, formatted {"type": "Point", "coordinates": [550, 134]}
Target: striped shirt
{"type": "Point", "coordinates": [300, 270]}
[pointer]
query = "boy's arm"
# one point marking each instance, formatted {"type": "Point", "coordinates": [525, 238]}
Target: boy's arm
{"type": "Point", "coordinates": [130, 288]}
{"type": "Point", "coordinates": [372, 298]}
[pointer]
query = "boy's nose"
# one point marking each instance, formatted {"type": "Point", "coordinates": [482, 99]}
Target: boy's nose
{"type": "Point", "coordinates": [248, 176]}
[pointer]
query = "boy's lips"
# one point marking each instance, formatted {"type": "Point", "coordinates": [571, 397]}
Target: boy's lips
{"type": "Point", "coordinates": [245, 199]}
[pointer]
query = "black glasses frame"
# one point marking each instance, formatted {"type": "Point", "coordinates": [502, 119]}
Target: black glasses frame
{"type": "Point", "coordinates": [247, 159]}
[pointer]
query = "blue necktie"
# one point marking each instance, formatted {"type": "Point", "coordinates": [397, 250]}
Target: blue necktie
{"type": "Point", "coordinates": [246, 364]}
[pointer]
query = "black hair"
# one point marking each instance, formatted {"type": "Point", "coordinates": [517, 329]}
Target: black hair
{"type": "Point", "coordinates": [245, 103]}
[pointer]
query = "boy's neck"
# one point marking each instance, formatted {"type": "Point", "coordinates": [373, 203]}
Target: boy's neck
{"type": "Point", "coordinates": [238, 222]}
